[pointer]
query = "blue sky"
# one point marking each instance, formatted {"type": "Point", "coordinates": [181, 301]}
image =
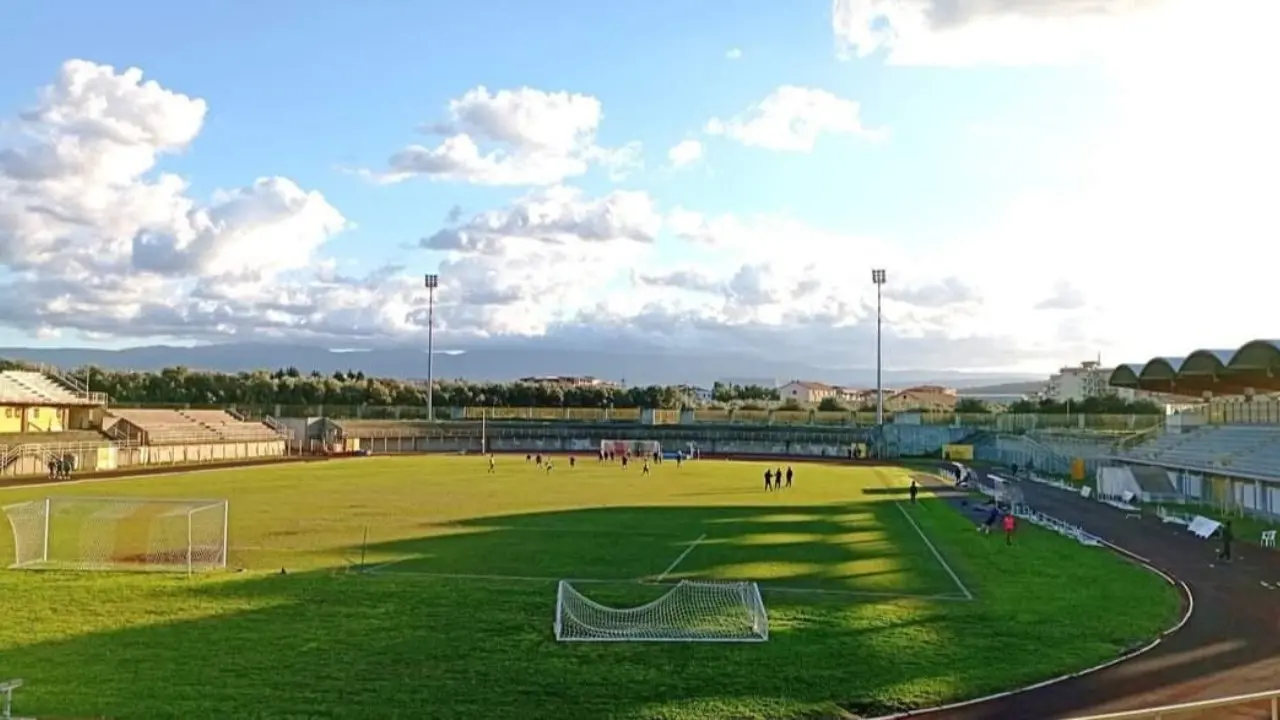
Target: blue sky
{"type": "Point", "coordinates": [977, 147]}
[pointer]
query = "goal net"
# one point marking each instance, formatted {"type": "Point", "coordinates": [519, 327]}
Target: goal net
{"type": "Point", "coordinates": [692, 611]}
{"type": "Point", "coordinates": [638, 448]}
{"type": "Point", "coordinates": [119, 533]}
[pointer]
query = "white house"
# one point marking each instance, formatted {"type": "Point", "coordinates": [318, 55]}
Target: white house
{"type": "Point", "coordinates": [806, 392]}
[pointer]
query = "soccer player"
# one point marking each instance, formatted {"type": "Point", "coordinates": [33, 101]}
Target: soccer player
{"type": "Point", "coordinates": [528, 458]}
{"type": "Point", "coordinates": [992, 515]}
{"type": "Point", "coordinates": [913, 491]}
{"type": "Point", "coordinates": [492, 463]}
{"type": "Point", "coordinates": [645, 470]}
{"type": "Point", "coordinates": [624, 462]}
{"type": "Point", "coordinates": [572, 462]}
{"type": "Point", "coordinates": [790, 473]}
{"type": "Point", "coordinates": [777, 478]}
{"type": "Point", "coordinates": [537, 459]}
{"type": "Point", "coordinates": [548, 466]}
{"type": "Point", "coordinates": [1009, 525]}
{"type": "Point", "coordinates": [679, 460]}
{"type": "Point", "coordinates": [768, 479]}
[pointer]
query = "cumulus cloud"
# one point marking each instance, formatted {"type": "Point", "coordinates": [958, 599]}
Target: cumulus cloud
{"type": "Point", "coordinates": [513, 137]}
{"type": "Point", "coordinates": [684, 153]}
{"type": "Point", "coordinates": [792, 118]}
{"type": "Point", "coordinates": [96, 238]}
{"type": "Point", "coordinates": [1006, 32]}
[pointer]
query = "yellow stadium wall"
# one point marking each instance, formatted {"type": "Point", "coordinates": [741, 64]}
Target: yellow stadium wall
{"type": "Point", "coordinates": [45, 419]}
{"type": "Point", "coordinates": [10, 419]}
{"type": "Point", "coordinates": [32, 419]}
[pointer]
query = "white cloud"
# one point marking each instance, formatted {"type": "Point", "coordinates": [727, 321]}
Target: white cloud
{"type": "Point", "coordinates": [1004, 32]}
{"type": "Point", "coordinates": [95, 239]}
{"type": "Point", "coordinates": [514, 137]}
{"type": "Point", "coordinates": [684, 153]}
{"type": "Point", "coordinates": [733, 54]}
{"type": "Point", "coordinates": [791, 118]}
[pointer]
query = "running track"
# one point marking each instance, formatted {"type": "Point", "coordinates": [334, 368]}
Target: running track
{"type": "Point", "coordinates": [1230, 646]}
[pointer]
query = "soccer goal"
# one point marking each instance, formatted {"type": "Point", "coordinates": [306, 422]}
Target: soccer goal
{"type": "Point", "coordinates": [119, 533]}
{"type": "Point", "coordinates": [691, 611]}
{"type": "Point", "coordinates": [638, 448]}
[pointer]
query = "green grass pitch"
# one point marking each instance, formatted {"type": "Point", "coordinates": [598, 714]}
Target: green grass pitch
{"type": "Point", "coordinates": [455, 620]}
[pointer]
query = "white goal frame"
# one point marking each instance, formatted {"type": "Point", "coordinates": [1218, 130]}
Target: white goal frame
{"type": "Point", "coordinates": [631, 446]}
{"type": "Point", "coordinates": [740, 618]}
{"type": "Point", "coordinates": [168, 535]}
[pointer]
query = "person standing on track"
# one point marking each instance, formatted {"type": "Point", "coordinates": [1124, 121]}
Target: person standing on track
{"type": "Point", "coordinates": [1227, 537]}
{"type": "Point", "coordinates": [913, 491]}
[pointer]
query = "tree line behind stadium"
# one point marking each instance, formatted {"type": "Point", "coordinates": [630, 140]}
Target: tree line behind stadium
{"type": "Point", "coordinates": [291, 386]}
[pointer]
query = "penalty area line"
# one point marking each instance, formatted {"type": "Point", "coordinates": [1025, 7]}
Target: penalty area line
{"type": "Point", "coordinates": [379, 570]}
{"type": "Point", "coordinates": [675, 563]}
{"type": "Point", "coordinates": [964, 590]}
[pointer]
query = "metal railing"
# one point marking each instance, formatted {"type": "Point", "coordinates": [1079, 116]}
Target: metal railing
{"type": "Point", "coordinates": [6, 697]}
{"type": "Point", "coordinates": [1271, 698]}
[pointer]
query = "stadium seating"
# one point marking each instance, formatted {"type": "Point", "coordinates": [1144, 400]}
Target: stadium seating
{"type": "Point", "coordinates": [387, 428]}
{"type": "Point", "coordinates": [160, 427]}
{"type": "Point", "coordinates": [33, 388]}
{"type": "Point", "coordinates": [1250, 449]}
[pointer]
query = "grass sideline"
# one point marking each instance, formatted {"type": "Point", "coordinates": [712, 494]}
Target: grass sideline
{"type": "Point", "coordinates": [457, 622]}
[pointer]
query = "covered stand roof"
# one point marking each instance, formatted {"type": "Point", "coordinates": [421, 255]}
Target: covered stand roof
{"type": "Point", "coordinates": [1256, 365]}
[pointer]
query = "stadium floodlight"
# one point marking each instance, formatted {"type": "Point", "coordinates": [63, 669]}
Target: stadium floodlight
{"type": "Point", "coordinates": [119, 533]}
{"type": "Point", "coordinates": [877, 277]}
{"type": "Point", "coordinates": [432, 281]}
{"type": "Point", "coordinates": [691, 611]}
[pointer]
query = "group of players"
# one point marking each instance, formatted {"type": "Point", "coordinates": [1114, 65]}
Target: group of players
{"type": "Point", "coordinates": [545, 463]}
{"type": "Point", "coordinates": [773, 478]}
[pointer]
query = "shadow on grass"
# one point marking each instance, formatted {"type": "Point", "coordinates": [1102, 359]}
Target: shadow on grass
{"type": "Point", "coordinates": [324, 644]}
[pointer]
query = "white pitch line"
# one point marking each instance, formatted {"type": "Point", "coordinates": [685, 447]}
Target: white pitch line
{"type": "Point", "coordinates": [377, 570]}
{"type": "Point", "coordinates": [937, 555]}
{"type": "Point", "coordinates": [681, 558]}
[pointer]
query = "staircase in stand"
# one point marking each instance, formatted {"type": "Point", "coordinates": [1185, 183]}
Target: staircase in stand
{"type": "Point", "coordinates": [76, 385]}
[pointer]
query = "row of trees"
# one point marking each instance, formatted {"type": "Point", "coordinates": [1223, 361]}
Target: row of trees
{"type": "Point", "coordinates": [290, 386]}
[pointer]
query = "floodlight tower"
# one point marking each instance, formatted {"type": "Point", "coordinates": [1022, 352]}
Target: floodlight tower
{"type": "Point", "coordinates": [877, 277]}
{"type": "Point", "coordinates": [432, 282]}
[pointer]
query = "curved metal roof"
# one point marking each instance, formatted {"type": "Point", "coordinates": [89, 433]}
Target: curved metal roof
{"type": "Point", "coordinates": [1255, 365]}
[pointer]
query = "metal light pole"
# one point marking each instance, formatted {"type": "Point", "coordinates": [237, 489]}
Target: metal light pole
{"type": "Point", "coordinates": [432, 282]}
{"type": "Point", "coordinates": [877, 277]}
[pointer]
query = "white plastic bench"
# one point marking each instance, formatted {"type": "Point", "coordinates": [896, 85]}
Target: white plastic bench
{"type": "Point", "coordinates": [6, 697]}
{"type": "Point", "coordinates": [1085, 492]}
{"type": "Point", "coordinates": [1203, 527]}
{"type": "Point", "coordinates": [1269, 538]}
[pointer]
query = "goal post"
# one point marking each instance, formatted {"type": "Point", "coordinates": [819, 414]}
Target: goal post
{"type": "Point", "coordinates": [637, 448]}
{"type": "Point", "coordinates": [691, 611]}
{"type": "Point", "coordinates": [119, 533]}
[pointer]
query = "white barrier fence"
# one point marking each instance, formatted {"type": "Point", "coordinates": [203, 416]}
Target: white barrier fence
{"type": "Point", "coordinates": [1023, 511]}
{"type": "Point", "coordinates": [1269, 699]}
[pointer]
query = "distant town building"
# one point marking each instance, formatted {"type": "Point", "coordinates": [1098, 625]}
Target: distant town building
{"type": "Point", "coordinates": [568, 381]}
{"type": "Point", "coordinates": [1074, 384]}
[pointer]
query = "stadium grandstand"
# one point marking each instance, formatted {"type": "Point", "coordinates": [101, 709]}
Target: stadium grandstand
{"type": "Point", "coordinates": [1220, 441]}
{"type": "Point", "coordinates": [49, 418]}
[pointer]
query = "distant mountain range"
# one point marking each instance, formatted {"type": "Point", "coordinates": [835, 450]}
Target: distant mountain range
{"type": "Point", "coordinates": [498, 364]}
{"type": "Point", "coordinates": [1012, 388]}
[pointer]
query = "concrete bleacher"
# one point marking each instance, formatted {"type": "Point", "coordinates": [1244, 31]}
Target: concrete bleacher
{"type": "Point", "coordinates": [386, 428]}
{"type": "Point", "coordinates": [33, 388]}
{"type": "Point", "coordinates": [160, 427]}
{"type": "Point", "coordinates": [1249, 449]}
